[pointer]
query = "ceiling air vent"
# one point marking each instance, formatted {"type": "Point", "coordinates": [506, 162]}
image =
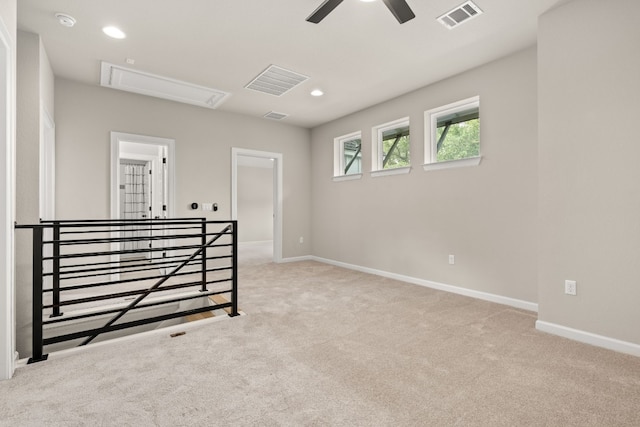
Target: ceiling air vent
{"type": "Point", "coordinates": [275, 116]}
{"type": "Point", "coordinates": [460, 14]}
{"type": "Point", "coordinates": [117, 77]}
{"type": "Point", "coordinates": [276, 81]}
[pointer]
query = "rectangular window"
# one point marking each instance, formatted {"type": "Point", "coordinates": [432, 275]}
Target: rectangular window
{"type": "Point", "coordinates": [452, 134]}
{"type": "Point", "coordinates": [348, 155]}
{"type": "Point", "coordinates": [392, 145]}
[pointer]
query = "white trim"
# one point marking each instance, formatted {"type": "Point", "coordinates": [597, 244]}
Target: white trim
{"type": "Point", "coordinates": [116, 139]}
{"type": "Point", "coordinates": [431, 124]}
{"type": "Point", "coordinates": [499, 299]}
{"type": "Point", "coordinates": [7, 203]}
{"type": "Point", "coordinates": [277, 192]}
{"type": "Point", "coordinates": [338, 153]}
{"type": "Point", "coordinates": [589, 338]}
{"type": "Point", "coordinates": [394, 171]}
{"type": "Point", "coordinates": [298, 259]}
{"type": "Point", "coordinates": [450, 164]}
{"type": "Point", "coordinates": [377, 157]}
{"type": "Point", "coordinates": [351, 177]}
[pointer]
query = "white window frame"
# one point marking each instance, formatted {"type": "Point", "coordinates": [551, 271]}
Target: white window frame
{"type": "Point", "coordinates": [338, 157]}
{"type": "Point", "coordinates": [431, 141]}
{"type": "Point", "coordinates": [377, 148]}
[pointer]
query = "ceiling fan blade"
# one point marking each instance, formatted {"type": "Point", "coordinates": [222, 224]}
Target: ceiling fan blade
{"type": "Point", "coordinates": [400, 10]}
{"type": "Point", "coordinates": [322, 11]}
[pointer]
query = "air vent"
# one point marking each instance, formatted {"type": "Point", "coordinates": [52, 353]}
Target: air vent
{"type": "Point", "coordinates": [276, 81]}
{"type": "Point", "coordinates": [117, 77]}
{"type": "Point", "coordinates": [275, 116]}
{"type": "Point", "coordinates": [460, 14]}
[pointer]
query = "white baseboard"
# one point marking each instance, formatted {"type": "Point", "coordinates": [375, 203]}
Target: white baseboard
{"type": "Point", "coordinates": [297, 258]}
{"type": "Point", "coordinates": [499, 299]}
{"type": "Point", "coordinates": [589, 338]}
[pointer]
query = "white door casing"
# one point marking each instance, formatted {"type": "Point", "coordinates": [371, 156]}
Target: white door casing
{"type": "Point", "coordinates": [7, 204]}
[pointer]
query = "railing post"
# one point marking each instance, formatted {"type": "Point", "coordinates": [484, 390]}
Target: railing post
{"type": "Point", "coordinates": [203, 257]}
{"type": "Point", "coordinates": [56, 269]}
{"type": "Point", "coordinates": [37, 342]}
{"type": "Point", "coordinates": [234, 269]}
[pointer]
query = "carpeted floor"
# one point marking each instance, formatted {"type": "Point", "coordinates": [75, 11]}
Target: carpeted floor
{"type": "Point", "coordinates": [324, 346]}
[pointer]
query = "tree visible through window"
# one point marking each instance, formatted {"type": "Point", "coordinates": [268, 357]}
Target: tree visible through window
{"type": "Point", "coordinates": [458, 138]}
{"type": "Point", "coordinates": [391, 143]}
{"type": "Point", "coordinates": [395, 148]}
{"type": "Point", "coordinates": [453, 132]}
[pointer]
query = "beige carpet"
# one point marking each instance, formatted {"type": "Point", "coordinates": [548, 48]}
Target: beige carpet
{"type": "Point", "coordinates": [324, 346]}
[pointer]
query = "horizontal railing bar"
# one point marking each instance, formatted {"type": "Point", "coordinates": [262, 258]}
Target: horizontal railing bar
{"type": "Point", "coordinates": [114, 229]}
{"type": "Point", "coordinates": [165, 263]}
{"type": "Point", "coordinates": [127, 268]}
{"type": "Point", "coordinates": [125, 294]}
{"type": "Point", "coordinates": [139, 251]}
{"type": "Point", "coordinates": [117, 262]}
{"type": "Point", "coordinates": [130, 239]}
{"type": "Point", "coordinates": [136, 279]}
{"type": "Point", "coordinates": [140, 322]}
{"type": "Point", "coordinates": [116, 310]}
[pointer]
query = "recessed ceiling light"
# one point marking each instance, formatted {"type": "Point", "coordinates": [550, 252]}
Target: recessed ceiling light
{"type": "Point", "coordinates": [114, 32]}
{"type": "Point", "coordinates": [317, 92]}
{"type": "Point", "coordinates": [66, 20]}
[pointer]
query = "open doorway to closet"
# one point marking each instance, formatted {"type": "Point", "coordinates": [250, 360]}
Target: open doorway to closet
{"type": "Point", "coordinates": [257, 204]}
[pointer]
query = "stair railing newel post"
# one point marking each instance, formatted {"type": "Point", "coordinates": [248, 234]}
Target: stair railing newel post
{"type": "Point", "coordinates": [56, 269]}
{"type": "Point", "coordinates": [234, 269]}
{"type": "Point", "coordinates": [203, 256]}
{"type": "Point", "coordinates": [36, 339]}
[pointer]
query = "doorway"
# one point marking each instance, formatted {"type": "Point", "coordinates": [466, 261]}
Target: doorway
{"type": "Point", "coordinates": [142, 187]}
{"type": "Point", "coordinates": [257, 165]}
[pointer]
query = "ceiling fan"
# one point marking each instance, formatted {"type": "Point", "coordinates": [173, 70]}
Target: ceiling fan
{"type": "Point", "coordinates": [399, 8]}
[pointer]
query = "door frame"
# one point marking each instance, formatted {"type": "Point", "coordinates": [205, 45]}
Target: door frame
{"type": "Point", "coordinates": [116, 139]}
{"type": "Point", "coordinates": [8, 355]}
{"type": "Point", "coordinates": [277, 192]}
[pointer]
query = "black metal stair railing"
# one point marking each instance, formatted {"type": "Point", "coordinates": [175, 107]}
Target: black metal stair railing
{"type": "Point", "coordinates": [89, 270]}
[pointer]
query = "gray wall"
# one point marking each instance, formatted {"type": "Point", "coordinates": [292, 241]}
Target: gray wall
{"type": "Point", "coordinates": [35, 84]}
{"type": "Point", "coordinates": [589, 92]}
{"type": "Point", "coordinates": [204, 138]}
{"type": "Point", "coordinates": [255, 203]}
{"type": "Point", "coordinates": [409, 224]}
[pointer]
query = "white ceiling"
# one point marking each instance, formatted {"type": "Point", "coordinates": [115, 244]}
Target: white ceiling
{"type": "Point", "coordinates": [359, 55]}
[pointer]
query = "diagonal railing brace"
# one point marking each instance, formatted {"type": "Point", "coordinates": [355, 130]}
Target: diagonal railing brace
{"type": "Point", "coordinates": [158, 284]}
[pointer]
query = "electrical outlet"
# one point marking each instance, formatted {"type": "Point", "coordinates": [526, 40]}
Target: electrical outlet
{"type": "Point", "coordinates": [570, 287]}
{"type": "Point", "coordinates": [452, 259]}
{"type": "Point", "coordinates": [301, 240]}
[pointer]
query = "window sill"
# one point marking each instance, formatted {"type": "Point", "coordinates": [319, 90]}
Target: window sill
{"type": "Point", "coordinates": [450, 164]}
{"type": "Point", "coordinates": [394, 171]}
{"type": "Point", "coordinates": [347, 177]}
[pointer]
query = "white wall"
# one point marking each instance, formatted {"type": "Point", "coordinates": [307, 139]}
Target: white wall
{"type": "Point", "coordinates": [34, 89]}
{"type": "Point", "coordinates": [8, 10]}
{"type": "Point", "coordinates": [86, 114]}
{"type": "Point", "coordinates": [589, 93]}
{"type": "Point", "coordinates": [409, 224]}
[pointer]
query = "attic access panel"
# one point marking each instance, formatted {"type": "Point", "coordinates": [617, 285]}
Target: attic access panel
{"type": "Point", "coordinates": [130, 80]}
